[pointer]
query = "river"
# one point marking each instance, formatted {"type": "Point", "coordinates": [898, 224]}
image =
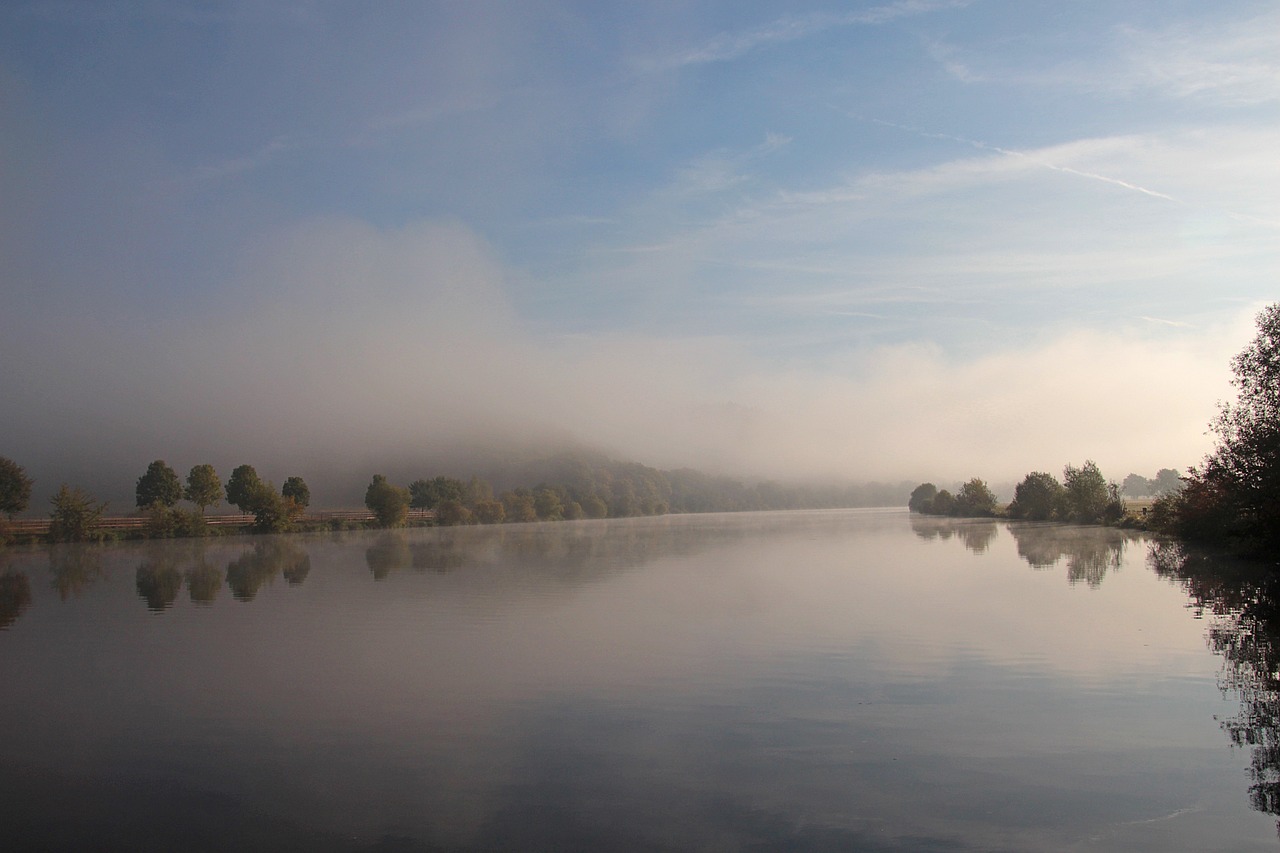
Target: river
{"type": "Point", "coordinates": [803, 681]}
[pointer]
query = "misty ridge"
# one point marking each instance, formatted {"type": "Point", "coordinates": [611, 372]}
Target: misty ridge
{"type": "Point", "coordinates": [344, 349]}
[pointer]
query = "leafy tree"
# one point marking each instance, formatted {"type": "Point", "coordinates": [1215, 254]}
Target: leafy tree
{"type": "Point", "coordinates": [518, 506]}
{"type": "Point", "coordinates": [272, 512]}
{"type": "Point", "coordinates": [943, 503]}
{"type": "Point", "coordinates": [76, 516]}
{"type": "Point", "coordinates": [450, 513]}
{"type": "Point", "coordinates": [1090, 499]}
{"type": "Point", "coordinates": [295, 489]}
{"type": "Point", "coordinates": [595, 507]}
{"type": "Point", "coordinates": [546, 503]}
{"type": "Point", "coordinates": [204, 489]}
{"type": "Point", "coordinates": [1039, 497]}
{"type": "Point", "coordinates": [1238, 486]}
{"type": "Point", "coordinates": [389, 504]}
{"type": "Point", "coordinates": [159, 485]}
{"type": "Point", "coordinates": [975, 499]}
{"type": "Point", "coordinates": [921, 497]}
{"type": "Point", "coordinates": [15, 487]}
{"type": "Point", "coordinates": [1136, 486]}
{"type": "Point", "coordinates": [477, 490]}
{"type": "Point", "coordinates": [1167, 480]}
{"type": "Point", "coordinates": [242, 487]}
{"type": "Point", "coordinates": [427, 494]}
{"type": "Point", "coordinates": [489, 512]}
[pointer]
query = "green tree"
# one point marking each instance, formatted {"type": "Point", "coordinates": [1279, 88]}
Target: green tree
{"type": "Point", "coordinates": [1039, 497]}
{"type": "Point", "coordinates": [1090, 499]}
{"type": "Point", "coordinates": [15, 487]}
{"type": "Point", "coordinates": [76, 516]}
{"type": "Point", "coordinates": [272, 512]}
{"type": "Point", "coordinates": [943, 503]}
{"type": "Point", "coordinates": [595, 507]}
{"type": "Point", "coordinates": [1167, 480]}
{"type": "Point", "coordinates": [295, 489]}
{"type": "Point", "coordinates": [389, 504]}
{"type": "Point", "coordinates": [975, 499]}
{"type": "Point", "coordinates": [159, 485]}
{"type": "Point", "coordinates": [921, 496]}
{"type": "Point", "coordinates": [518, 506]}
{"type": "Point", "coordinates": [489, 512]}
{"type": "Point", "coordinates": [1136, 486]}
{"type": "Point", "coordinates": [242, 487]}
{"type": "Point", "coordinates": [1242, 475]}
{"type": "Point", "coordinates": [450, 513]}
{"type": "Point", "coordinates": [427, 494]}
{"type": "Point", "coordinates": [547, 505]}
{"type": "Point", "coordinates": [204, 489]}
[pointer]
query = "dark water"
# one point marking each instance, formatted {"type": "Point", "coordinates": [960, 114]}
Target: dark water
{"type": "Point", "coordinates": [855, 680]}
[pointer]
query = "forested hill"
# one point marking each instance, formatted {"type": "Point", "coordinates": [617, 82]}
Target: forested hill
{"type": "Point", "coordinates": [631, 488]}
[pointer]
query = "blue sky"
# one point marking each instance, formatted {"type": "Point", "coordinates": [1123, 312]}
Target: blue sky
{"type": "Point", "coordinates": [865, 239]}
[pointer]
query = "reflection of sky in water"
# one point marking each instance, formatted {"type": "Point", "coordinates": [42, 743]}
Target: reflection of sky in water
{"type": "Point", "coordinates": [798, 681]}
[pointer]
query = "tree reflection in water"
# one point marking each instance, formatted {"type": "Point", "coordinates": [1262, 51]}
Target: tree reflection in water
{"type": "Point", "coordinates": [74, 567]}
{"type": "Point", "coordinates": [389, 553]}
{"type": "Point", "coordinates": [1090, 552]}
{"type": "Point", "coordinates": [15, 597]}
{"type": "Point", "coordinates": [1243, 602]}
{"type": "Point", "coordinates": [975, 534]}
{"type": "Point", "coordinates": [159, 582]}
{"type": "Point", "coordinates": [203, 582]}
{"type": "Point", "coordinates": [258, 566]}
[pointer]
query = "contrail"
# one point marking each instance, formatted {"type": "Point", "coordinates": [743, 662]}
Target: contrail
{"type": "Point", "coordinates": [983, 146]}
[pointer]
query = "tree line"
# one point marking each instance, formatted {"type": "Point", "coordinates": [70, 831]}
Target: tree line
{"type": "Point", "coordinates": [1083, 496]}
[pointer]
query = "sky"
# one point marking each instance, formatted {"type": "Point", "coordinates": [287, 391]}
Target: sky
{"type": "Point", "coordinates": [913, 239]}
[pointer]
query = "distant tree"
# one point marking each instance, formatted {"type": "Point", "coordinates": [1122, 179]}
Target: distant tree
{"type": "Point", "coordinates": [573, 511]}
{"type": "Point", "coordinates": [1167, 480]}
{"type": "Point", "coordinates": [426, 494]}
{"type": "Point", "coordinates": [1090, 499]}
{"type": "Point", "coordinates": [450, 513]}
{"type": "Point", "coordinates": [272, 512]}
{"type": "Point", "coordinates": [295, 489]}
{"type": "Point", "coordinates": [1136, 486]}
{"type": "Point", "coordinates": [921, 496]}
{"type": "Point", "coordinates": [477, 490]}
{"type": "Point", "coordinates": [547, 505]}
{"type": "Point", "coordinates": [518, 506]}
{"type": "Point", "coordinates": [489, 512]}
{"type": "Point", "coordinates": [975, 500]}
{"type": "Point", "coordinates": [242, 487]}
{"type": "Point", "coordinates": [1039, 497]}
{"type": "Point", "coordinates": [76, 516]}
{"type": "Point", "coordinates": [204, 489]}
{"type": "Point", "coordinates": [159, 485]}
{"type": "Point", "coordinates": [15, 487]}
{"type": "Point", "coordinates": [389, 504]}
{"type": "Point", "coordinates": [943, 503]}
{"type": "Point", "coordinates": [595, 507]}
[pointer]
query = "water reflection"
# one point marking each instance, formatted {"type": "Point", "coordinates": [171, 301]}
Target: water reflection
{"type": "Point", "coordinates": [15, 597]}
{"type": "Point", "coordinates": [158, 583]}
{"type": "Point", "coordinates": [259, 566]}
{"type": "Point", "coordinates": [1243, 602]}
{"type": "Point", "coordinates": [976, 534]}
{"type": "Point", "coordinates": [74, 567]}
{"type": "Point", "coordinates": [389, 552]}
{"type": "Point", "coordinates": [203, 582]}
{"type": "Point", "coordinates": [1089, 552]}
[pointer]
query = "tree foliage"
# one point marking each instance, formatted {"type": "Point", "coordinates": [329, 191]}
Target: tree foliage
{"type": "Point", "coordinates": [159, 485]}
{"type": "Point", "coordinates": [243, 486]}
{"type": "Point", "coordinates": [389, 504]}
{"type": "Point", "coordinates": [295, 489]}
{"type": "Point", "coordinates": [975, 499]}
{"type": "Point", "coordinates": [15, 487]}
{"type": "Point", "coordinates": [76, 516]}
{"type": "Point", "coordinates": [1236, 492]}
{"type": "Point", "coordinates": [204, 488]}
{"type": "Point", "coordinates": [1089, 498]}
{"type": "Point", "coordinates": [1039, 497]}
{"type": "Point", "coordinates": [921, 497]}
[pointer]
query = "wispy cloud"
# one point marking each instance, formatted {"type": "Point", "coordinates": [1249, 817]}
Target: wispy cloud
{"type": "Point", "coordinates": [732, 45]}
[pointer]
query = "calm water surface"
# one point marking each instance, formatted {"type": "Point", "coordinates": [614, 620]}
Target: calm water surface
{"type": "Point", "coordinates": [852, 680]}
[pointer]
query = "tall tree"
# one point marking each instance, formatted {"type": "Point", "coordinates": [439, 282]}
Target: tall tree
{"type": "Point", "coordinates": [159, 485]}
{"type": "Point", "coordinates": [389, 504]}
{"type": "Point", "coordinates": [76, 516]}
{"type": "Point", "coordinates": [295, 489]}
{"type": "Point", "coordinates": [243, 487]}
{"type": "Point", "coordinates": [204, 489]}
{"type": "Point", "coordinates": [1039, 497]}
{"type": "Point", "coordinates": [15, 487]}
